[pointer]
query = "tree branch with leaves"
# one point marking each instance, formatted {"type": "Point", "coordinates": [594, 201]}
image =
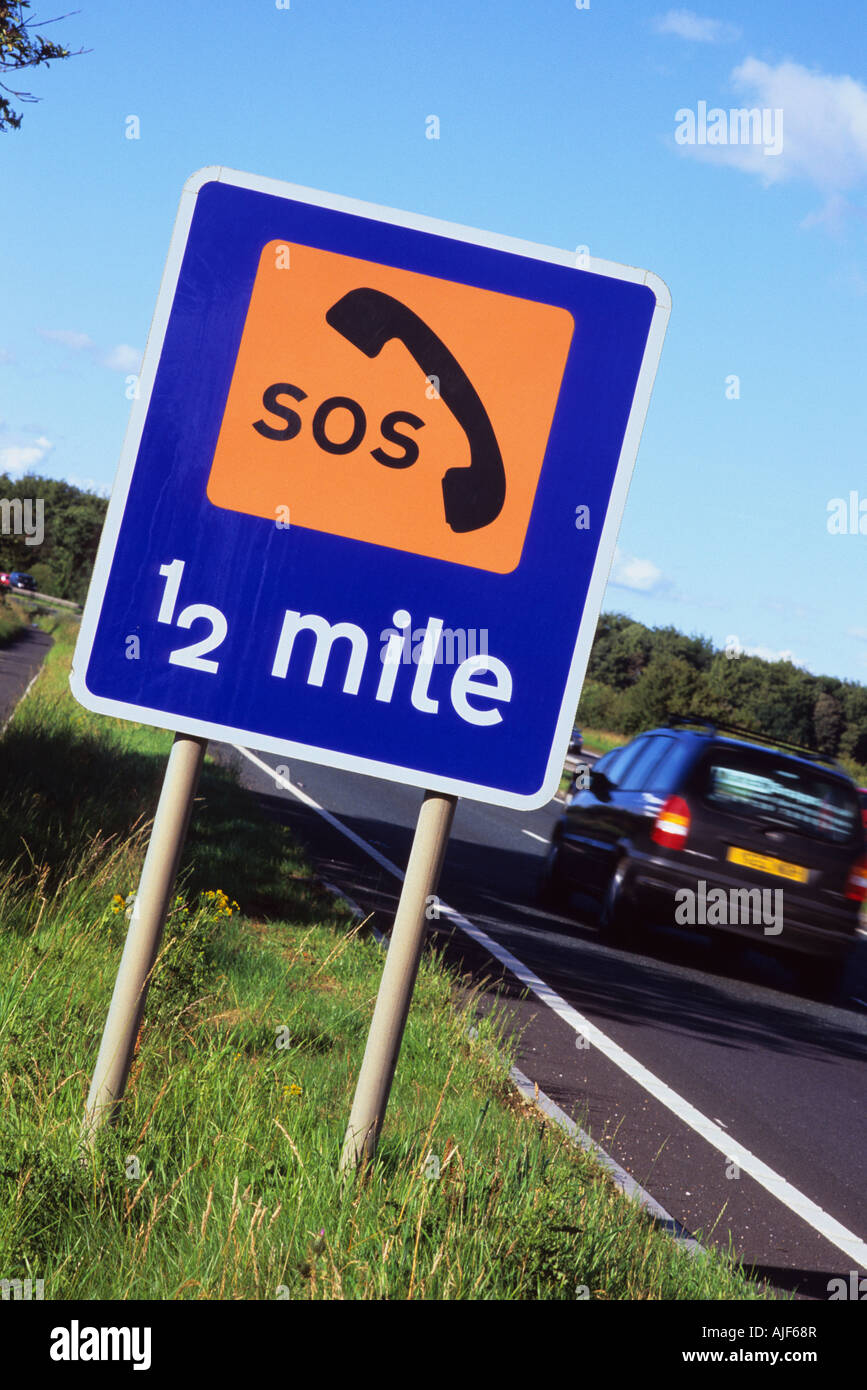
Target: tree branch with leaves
{"type": "Point", "coordinates": [21, 47]}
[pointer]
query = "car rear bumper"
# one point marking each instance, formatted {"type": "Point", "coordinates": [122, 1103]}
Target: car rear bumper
{"type": "Point", "coordinates": [776, 915]}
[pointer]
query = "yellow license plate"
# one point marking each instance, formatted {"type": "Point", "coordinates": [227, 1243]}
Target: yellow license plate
{"type": "Point", "coordinates": [766, 865]}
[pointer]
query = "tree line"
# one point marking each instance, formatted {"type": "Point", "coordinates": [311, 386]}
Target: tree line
{"type": "Point", "coordinates": [60, 560]}
{"type": "Point", "coordinates": [639, 677]}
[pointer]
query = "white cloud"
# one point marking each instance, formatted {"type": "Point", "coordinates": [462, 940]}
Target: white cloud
{"type": "Point", "coordinates": [771, 654]}
{"type": "Point", "coordinates": [76, 342]}
{"type": "Point", "coordinates": [685, 24]}
{"type": "Point", "coordinates": [122, 358]}
{"type": "Point", "coordinates": [628, 572]}
{"type": "Point", "coordinates": [835, 213]}
{"type": "Point", "coordinates": [824, 122]}
{"type": "Point", "coordinates": [5, 357]}
{"type": "Point", "coordinates": [89, 485]}
{"type": "Point", "coordinates": [766, 653]}
{"type": "Point", "coordinates": [16, 458]}
{"type": "Point", "coordinates": [824, 132]}
{"type": "Point", "coordinates": [859, 632]}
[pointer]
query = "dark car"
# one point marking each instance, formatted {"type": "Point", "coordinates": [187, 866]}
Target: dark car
{"type": "Point", "coordinates": [19, 580]}
{"type": "Point", "coordinates": [756, 839]}
{"type": "Point", "coordinates": [862, 797]}
{"type": "Point", "coordinates": [576, 742]}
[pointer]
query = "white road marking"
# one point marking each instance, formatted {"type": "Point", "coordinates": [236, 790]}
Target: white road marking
{"type": "Point", "coordinates": [21, 701]}
{"type": "Point", "coordinates": [533, 836]}
{"type": "Point", "coordinates": [821, 1221]}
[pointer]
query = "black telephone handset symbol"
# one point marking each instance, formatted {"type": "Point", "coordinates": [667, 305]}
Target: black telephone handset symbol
{"type": "Point", "coordinates": [473, 496]}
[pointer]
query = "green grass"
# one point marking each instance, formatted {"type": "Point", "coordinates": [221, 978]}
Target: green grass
{"type": "Point", "coordinates": [602, 740]}
{"type": "Point", "coordinates": [11, 623]}
{"type": "Point", "coordinates": [219, 1179]}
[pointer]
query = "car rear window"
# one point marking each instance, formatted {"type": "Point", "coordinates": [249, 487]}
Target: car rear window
{"type": "Point", "coordinates": [622, 761]}
{"type": "Point", "coordinates": [610, 762]}
{"type": "Point", "coordinates": [774, 789]}
{"type": "Point", "coordinates": [641, 770]}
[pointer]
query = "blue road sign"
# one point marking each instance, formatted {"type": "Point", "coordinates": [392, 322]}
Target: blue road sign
{"type": "Point", "coordinates": [370, 491]}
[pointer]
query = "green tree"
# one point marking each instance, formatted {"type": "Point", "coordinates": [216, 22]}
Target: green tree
{"type": "Point", "coordinates": [597, 705]}
{"type": "Point", "coordinates": [666, 687]}
{"type": "Point", "coordinates": [853, 743]}
{"type": "Point", "coordinates": [733, 686]}
{"type": "Point", "coordinates": [638, 677]}
{"type": "Point", "coordinates": [621, 651]}
{"type": "Point", "coordinates": [21, 48]}
{"type": "Point", "coordinates": [772, 698]}
{"type": "Point", "coordinates": [828, 723]}
{"type": "Point", "coordinates": [667, 641]}
{"type": "Point", "coordinates": [62, 557]}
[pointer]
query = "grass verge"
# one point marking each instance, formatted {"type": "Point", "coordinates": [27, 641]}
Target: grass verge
{"type": "Point", "coordinates": [602, 740]}
{"type": "Point", "coordinates": [11, 623]}
{"type": "Point", "coordinates": [219, 1179]}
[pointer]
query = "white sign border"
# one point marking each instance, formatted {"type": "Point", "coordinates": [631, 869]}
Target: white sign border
{"type": "Point", "coordinates": [604, 556]}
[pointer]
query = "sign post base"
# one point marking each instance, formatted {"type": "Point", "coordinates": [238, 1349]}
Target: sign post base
{"type": "Point", "coordinates": [398, 979]}
{"type": "Point", "coordinates": [145, 932]}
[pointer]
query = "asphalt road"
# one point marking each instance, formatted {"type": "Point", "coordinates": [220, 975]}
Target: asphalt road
{"type": "Point", "coordinates": [19, 663]}
{"type": "Point", "coordinates": [749, 1050]}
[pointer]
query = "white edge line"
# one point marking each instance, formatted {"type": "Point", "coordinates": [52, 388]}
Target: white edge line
{"type": "Point", "coordinates": [627, 1184]}
{"type": "Point", "coordinates": [356, 911]}
{"type": "Point", "coordinates": [536, 1097]}
{"type": "Point", "coordinates": [809, 1211]}
{"type": "Point", "coordinates": [20, 700]}
{"type": "Point", "coordinates": [344, 898]}
{"type": "Point", "coordinates": [326, 815]}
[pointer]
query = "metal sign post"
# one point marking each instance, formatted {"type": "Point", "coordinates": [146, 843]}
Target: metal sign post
{"type": "Point", "coordinates": [398, 978]}
{"type": "Point", "coordinates": [145, 932]}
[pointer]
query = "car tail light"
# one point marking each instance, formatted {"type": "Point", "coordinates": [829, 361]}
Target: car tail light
{"type": "Point", "coordinates": [671, 826]}
{"type": "Point", "coordinates": [856, 884]}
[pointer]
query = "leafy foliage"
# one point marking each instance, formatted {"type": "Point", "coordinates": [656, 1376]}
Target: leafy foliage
{"type": "Point", "coordinates": [21, 48]}
{"type": "Point", "coordinates": [638, 677]}
{"type": "Point", "coordinates": [73, 519]}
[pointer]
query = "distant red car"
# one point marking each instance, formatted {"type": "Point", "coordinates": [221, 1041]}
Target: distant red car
{"type": "Point", "coordinates": [4, 581]}
{"type": "Point", "coordinates": [862, 797]}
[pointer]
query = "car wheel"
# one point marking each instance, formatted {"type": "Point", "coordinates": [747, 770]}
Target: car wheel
{"type": "Point", "coordinates": [551, 889]}
{"type": "Point", "coordinates": [618, 920]}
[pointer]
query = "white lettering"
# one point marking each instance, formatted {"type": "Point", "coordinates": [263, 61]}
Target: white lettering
{"type": "Point", "coordinates": [466, 682]}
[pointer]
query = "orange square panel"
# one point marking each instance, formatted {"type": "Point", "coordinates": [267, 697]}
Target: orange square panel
{"type": "Point", "coordinates": [390, 407]}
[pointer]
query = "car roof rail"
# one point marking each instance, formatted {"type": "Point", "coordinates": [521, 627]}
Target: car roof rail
{"type": "Point", "coordinates": [701, 721]}
{"type": "Point", "coordinates": [720, 726]}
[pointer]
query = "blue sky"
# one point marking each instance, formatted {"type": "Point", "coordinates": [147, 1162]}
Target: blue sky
{"type": "Point", "coordinates": [558, 125]}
